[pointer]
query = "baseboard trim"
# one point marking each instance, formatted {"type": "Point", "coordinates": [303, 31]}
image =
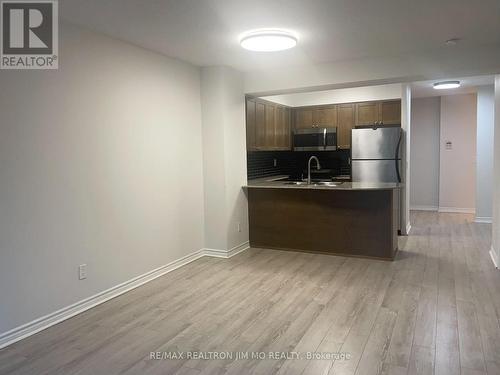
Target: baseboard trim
{"type": "Point", "coordinates": [483, 220]}
{"type": "Point", "coordinates": [424, 208]}
{"type": "Point", "coordinates": [227, 253]}
{"type": "Point", "coordinates": [457, 210]}
{"type": "Point", "coordinates": [44, 322]}
{"type": "Point", "coordinates": [239, 249]}
{"type": "Point", "coordinates": [494, 257]}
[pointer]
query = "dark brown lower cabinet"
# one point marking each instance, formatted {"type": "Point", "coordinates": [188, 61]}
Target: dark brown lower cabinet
{"type": "Point", "coordinates": [362, 223]}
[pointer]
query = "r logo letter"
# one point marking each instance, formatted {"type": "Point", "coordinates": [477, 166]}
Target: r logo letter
{"type": "Point", "coordinates": [35, 21]}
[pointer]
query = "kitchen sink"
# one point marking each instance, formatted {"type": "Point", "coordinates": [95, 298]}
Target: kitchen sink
{"type": "Point", "coordinates": [317, 183]}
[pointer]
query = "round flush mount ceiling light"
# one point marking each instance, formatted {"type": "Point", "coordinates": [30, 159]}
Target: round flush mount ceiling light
{"type": "Point", "coordinates": [446, 85]}
{"type": "Point", "coordinates": [268, 40]}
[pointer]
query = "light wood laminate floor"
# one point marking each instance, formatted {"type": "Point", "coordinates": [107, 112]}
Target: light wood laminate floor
{"type": "Point", "coordinates": [435, 309]}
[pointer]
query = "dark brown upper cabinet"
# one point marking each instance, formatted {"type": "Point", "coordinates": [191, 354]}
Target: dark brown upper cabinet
{"type": "Point", "coordinates": [325, 117]}
{"type": "Point", "coordinates": [250, 124]}
{"type": "Point", "coordinates": [268, 125]}
{"type": "Point", "coordinates": [315, 117]}
{"type": "Point", "coordinates": [384, 112]}
{"type": "Point", "coordinates": [260, 126]}
{"type": "Point", "coordinates": [282, 135]}
{"type": "Point", "coordinates": [303, 118]}
{"type": "Point", "coordinates": [345, 125]}
{"type": "Point", "coordinates": [367, 113]}
{"type": "Point", "coordinates": [390, 112]}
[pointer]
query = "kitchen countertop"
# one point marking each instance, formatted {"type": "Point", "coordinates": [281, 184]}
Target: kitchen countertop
{"type": "Point", "coordinates": [275, 183]}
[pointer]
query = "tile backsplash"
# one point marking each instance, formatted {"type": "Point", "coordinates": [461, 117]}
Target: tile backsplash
{"type": "Point", "coordinates": [269, 163]}
{"type": "Point", "coordinates": [294, 163]}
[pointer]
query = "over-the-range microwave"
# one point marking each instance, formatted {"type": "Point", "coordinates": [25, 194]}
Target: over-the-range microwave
{"type": "Point", "coordinates": [315, 139]}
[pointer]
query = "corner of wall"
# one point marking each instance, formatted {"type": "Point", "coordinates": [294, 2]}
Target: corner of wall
{"type": "Point", "coordinates": [406, 126]}
{"type": "Point", "coordinates": [224, 137]}
{"type": "Point", "coordinates": [496, 174]}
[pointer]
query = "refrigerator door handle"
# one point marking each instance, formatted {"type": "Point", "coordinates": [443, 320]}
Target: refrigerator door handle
{"type": "Point", "coordinates": [397, 170]}
{"type": "Point", "coordinates": [396, 158]}
{"type": "Point", "coordinates": [324, 138]}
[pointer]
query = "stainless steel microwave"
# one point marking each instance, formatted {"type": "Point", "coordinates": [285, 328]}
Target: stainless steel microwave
{"type": "Point", "coordinates": [316, 139]}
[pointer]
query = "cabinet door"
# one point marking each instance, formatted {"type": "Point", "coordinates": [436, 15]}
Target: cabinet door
{"type": "Point", "coordinates": [325, 117]}
{"type": "Point", "coordinates": [260, 126]}
{"type": "Point", "coordinates": [250, 124]}
{"type": "Point", "coordinates": [282, 128]}
{"type": "Point", "coordinates": [390, 112]}
{"type": "Point", "coordinates": [367, 113]}
{"type": "Point", "coordinates": [288, 128]}
{"type": "Point", "coordinates": [345, 125]}
{"type": "Point", "coordinates": [270, 137]}
{"type": "Point", "coordinates": [303, 118]}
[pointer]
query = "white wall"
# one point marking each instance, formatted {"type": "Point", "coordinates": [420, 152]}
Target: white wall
{"type": "Point", "coordinates": [236, 160]}
{"type": "Point", "coordinates": [457, 170]}
{"type": "Point", "coordinates": [425, 117]}
{"type": "Point", "coordinates": [405, 225]}
{"type": "Point", "coordinates": [484, 168]}
{"type": "Point", "coordinates": [223, 108]}
{"type": "Point", "coordinates": [495, 250]}
{"type": "Point", "coordinates": [100, 163]}
{"type": "Point", "coordinates": [212, 97]}
{"type": "Point", "coordinates": [349, 95]}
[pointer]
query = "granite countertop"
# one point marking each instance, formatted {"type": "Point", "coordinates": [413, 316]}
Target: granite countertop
{"type": "Point", "coordinates": [276, 182]}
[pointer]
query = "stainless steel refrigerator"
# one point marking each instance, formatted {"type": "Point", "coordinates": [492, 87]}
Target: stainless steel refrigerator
{"type": "Point", "coordinates": [376, 154]}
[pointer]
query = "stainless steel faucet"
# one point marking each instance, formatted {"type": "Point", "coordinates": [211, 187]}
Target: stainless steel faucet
{"type": "Point", "coordinates": [309, 168]}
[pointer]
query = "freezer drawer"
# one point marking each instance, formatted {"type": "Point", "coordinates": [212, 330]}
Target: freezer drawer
{"type": "Point", "coordinates": [375, 170]}
{"type": "Point", "coordinates": [380, 143]}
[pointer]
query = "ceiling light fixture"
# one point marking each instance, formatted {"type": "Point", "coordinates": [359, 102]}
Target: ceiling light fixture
{"type": "Point", "coordinates": [268, 40]}
{"type": "Point", "coordinates": [446, 85]}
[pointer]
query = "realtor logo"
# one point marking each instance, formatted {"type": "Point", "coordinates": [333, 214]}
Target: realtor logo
{"type": "Point", "coordinates": [29, 35]}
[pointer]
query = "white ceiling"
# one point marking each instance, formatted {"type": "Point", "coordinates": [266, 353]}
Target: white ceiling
{"type": "Point", "coordinates": [420, 89]}
{"type": "Point", "coordinates": [206, 32]}
{"type": "Point", "coordinates": [468, 85]}
{"type": "Point", "coordinates": [348, 95]}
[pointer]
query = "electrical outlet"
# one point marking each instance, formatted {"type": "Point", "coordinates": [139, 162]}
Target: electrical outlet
{"type": "Point", "coordinates": [238, 226]}
{"type": "Point", "coordinates": [82, 271]}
